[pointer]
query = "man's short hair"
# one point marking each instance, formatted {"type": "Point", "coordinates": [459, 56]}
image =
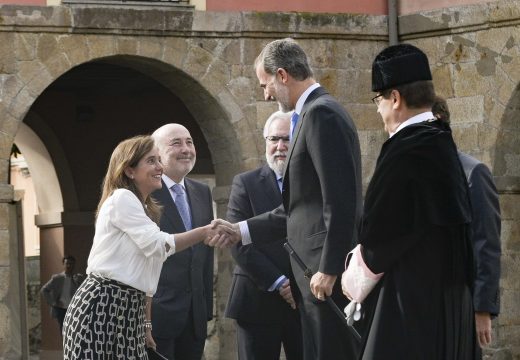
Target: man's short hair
{"type": "Point", "coordinates": [417, 95]}
{"type": "Point", "coordinates": [273, 117]}
{"type": "Point", "coordinates": [440, 110]}
{"type": "Point", "coordinates": [285, 54]}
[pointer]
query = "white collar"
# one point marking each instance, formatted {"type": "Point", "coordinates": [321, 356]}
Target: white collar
{"type": "Point", "coordinates": [428, 115]}
{"type": "Point", "coordinates": [303, 97]}
{"type": "Point", "coordinates": [169, 182]}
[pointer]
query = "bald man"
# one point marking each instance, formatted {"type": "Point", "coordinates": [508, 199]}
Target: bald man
{"type": "Point", "coordinates": [183, 302]}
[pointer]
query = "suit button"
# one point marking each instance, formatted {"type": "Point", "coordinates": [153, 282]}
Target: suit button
{"type": "Point", "coordinates": [188, 290]}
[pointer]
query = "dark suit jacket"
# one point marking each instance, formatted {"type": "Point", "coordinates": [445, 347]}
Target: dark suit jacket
{"type": "Point", "coordinates": [485, 234]}
{"type": "Point", "coordinates": [259, 265]}
{"type": "Point", "coordinates": [186, 277]}
{"type": "Point", "coordinates": [321, 191]}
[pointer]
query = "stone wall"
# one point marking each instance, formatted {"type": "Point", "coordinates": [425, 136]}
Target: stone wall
{"type": "Point", "coordinates": [206, 59]}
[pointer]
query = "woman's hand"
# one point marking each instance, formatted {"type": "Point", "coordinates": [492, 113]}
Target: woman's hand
{"type": "Point", "coordinates": [149, 341]}
{"type": "Point", "coordinates": [222, 234]}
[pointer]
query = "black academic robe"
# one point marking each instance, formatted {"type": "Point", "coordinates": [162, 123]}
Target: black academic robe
{"type": "Point", "coordinates": [414, 229]}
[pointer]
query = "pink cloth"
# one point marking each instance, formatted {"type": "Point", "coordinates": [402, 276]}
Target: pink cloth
{"type": "Point", "coordinates": [358, 280]}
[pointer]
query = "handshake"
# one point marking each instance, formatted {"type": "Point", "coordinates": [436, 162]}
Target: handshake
{"type": "Point", "coordinates": [222, 234]}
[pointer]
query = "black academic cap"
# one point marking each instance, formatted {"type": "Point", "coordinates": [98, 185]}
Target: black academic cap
{"type": "Point", "coordinates": [397, 65]}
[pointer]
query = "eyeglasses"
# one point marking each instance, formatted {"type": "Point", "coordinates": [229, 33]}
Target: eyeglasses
{"type": "Point", "coordinates": [377, 99]}
{"type": "Point", "coordinates": [276, 139]}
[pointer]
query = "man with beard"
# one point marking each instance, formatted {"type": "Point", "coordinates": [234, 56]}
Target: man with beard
{"type": "Point", "coordinates": [260, 299]}
{"type": "Point", "coordinates": [183, 302]}
{"type": "Point", "coordinates": [415, 224]}
{"type": "Point", "coordinates": [321, 196]}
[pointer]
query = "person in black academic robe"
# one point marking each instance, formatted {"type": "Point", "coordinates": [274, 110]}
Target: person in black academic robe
{"type": "Point", "coordinates": [415, 224]}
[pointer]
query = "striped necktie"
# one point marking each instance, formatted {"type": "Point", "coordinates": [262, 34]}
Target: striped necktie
{"type": "Point", "coordinates": [182, 205]}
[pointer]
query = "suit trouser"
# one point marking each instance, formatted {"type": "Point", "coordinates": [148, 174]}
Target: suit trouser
{"type": "Point", "coordinates": [263, 341]}
{"type": "Point", "coordinates": [59, 314]}
{"type": "Point", "coordinates": [185, 346]}
{"type": "Point", "coordinates": [326, 337]}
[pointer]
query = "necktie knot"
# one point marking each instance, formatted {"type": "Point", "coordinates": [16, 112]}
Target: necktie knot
{"type": "Point", "coordinates": [178, 189]}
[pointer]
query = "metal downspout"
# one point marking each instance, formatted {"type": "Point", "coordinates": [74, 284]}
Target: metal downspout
{"type": "Point", "coordinates": [393, 30]}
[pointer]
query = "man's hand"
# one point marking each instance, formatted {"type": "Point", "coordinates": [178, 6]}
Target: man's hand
{"type": "Point", "coordinates": [322, 284]}
{"type": "Point", "coordinates": [286, 294]}
{"type": "Point", "coordinates": [483, 325]}
{"type": "Point", "coordinates": [224, 234]}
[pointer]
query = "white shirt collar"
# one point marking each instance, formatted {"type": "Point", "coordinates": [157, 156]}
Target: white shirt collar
{"type": "Point", "coordinates": [303, 97]}
{"type": "Point", "coordinates": [169, 182]}
{"type": "Point", "coordinates": [428, 115]}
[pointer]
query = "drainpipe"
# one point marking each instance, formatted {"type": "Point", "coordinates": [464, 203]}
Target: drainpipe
{"type": "Point", "coordinates": [393, 31]}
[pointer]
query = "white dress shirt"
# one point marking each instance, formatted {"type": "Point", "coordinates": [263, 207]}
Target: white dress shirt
{"type": "Point", "coordinates": [128, 246]}
{"type": "Point", "coordinates": [422, 117]}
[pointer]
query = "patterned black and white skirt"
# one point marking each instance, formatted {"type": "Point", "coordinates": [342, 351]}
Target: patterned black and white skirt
{"type": "Point", "coordinates": [105, 320]}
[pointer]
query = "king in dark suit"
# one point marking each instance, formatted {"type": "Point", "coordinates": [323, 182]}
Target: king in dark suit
{"type": "Point", "coordinates": [321, 195]}
{"type": "Point", "coordinates": [183, 302]}
{"type": "Point", "coordinates": [263, 273]}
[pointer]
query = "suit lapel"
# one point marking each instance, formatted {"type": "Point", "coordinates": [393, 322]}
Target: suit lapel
{"type": "Point", "coordinates": [194, 200]}
{"type": "Point", "coordinates": [269, 184]}
{"type": "Point", "coordinates": [170, 211]}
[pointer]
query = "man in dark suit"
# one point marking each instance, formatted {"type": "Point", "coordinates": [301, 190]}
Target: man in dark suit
{"type": "Point", "coordinates": [485, 235]}
{"type": "Point", "coordinates": [321, 195]}
{"type": "Point", "coordinates": [183, 302]}
{"type": "Point", "coordinates": [260, 299]}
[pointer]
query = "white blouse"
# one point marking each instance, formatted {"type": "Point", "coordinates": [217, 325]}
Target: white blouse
{"type": "Point", "coordinates": [128, 246]}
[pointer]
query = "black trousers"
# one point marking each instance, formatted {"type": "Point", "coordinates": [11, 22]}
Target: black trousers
{"type": "Point", "coordinates": [325, 336]}
{"type": "Point", "coordinates": [185, 346]}
{"type": "Point", "coordinates": [264, 341]}
{"type": "Point", "coordinates": [59, 314]}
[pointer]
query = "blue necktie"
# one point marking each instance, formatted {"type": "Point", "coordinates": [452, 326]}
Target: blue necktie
{"type": "Point", "coordinates": [182, 205]}
{"type": "Point", "coordinates": [294, 120]}
{"type": "Point", "coordinates": [280, 183]}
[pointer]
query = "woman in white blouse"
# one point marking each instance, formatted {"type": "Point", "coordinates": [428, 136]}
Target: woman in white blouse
{"type": "Point", "coordinates": [106, 316]}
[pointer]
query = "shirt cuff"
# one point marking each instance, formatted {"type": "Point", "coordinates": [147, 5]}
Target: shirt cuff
{"type": "Point", "coordinates": [278, 283]}
{"type": "Point", "coordinates": [244, 232]}
{"type": "Point", "coordinates": [170, 240]}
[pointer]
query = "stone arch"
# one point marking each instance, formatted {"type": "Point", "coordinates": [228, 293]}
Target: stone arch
{"type": "Point", "coordinates": [199, 77]}
{"type": "Point", "coordinates": [42, 167]}
{"type": "Point", "coordinates": [507, 152]}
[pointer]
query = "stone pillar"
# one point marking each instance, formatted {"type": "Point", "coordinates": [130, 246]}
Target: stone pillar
{"type": "Point", "coordinates": [506, 328]}
{"type": "Point", "coordinates": [225, 330]}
